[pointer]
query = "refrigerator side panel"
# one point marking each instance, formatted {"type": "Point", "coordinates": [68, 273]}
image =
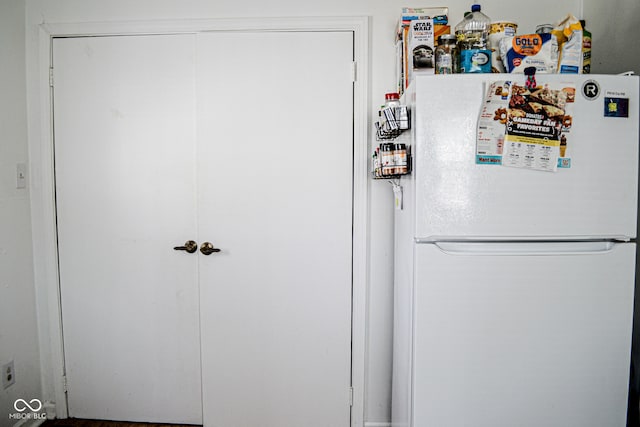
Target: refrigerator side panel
{"type": "Point", "coordinates": [537, 340]}
{"type": "Point", "coordinates": [595, 197]}
{"type": "Point", "coordinates": [404, 229]}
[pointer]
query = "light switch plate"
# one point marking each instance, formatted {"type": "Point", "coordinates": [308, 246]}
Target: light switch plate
{"type": "Point", "coordinates": [21, 176]}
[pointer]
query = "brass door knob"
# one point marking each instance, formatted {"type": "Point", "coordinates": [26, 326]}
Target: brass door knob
{"type": "Point", "coordinates": [207, 248]}
{"type": "Point", "coordinates": [189, 246]}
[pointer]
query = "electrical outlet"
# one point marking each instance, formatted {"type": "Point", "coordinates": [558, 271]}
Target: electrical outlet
{"type": "Point", "coordinates": [8, 374]}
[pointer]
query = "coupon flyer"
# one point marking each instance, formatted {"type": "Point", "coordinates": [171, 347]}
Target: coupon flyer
{"type": "Point", "coordinates": [534, 127]}
{"type": "Point", "coordinates": [491, 124]}
{"type": "Point", "coordinates": [564, 161]}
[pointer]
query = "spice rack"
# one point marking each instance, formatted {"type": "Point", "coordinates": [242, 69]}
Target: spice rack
{"type": "Point", "coordinates": [392, 121]}
{"type": "Point", "coordinates": [391, 160]}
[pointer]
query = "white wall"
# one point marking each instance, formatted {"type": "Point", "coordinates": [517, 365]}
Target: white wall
{"type": "Point", "coordinates": [18, 334]}
{"type": "Point", "coordinates": [614, 25]}
{"type": "Point", "coordinates": [383, 15]}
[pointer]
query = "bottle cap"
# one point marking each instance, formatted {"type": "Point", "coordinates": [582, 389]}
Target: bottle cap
{"type": "Point", "coordinates": [475, 8]}
{"type": "Point", "coordinates": [393, 95]}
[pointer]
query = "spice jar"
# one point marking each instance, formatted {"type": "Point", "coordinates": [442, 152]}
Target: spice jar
{"type": "Point", "coordinates": [388, 159]}
{"type": "Point", "coordinates": [544, 29]}
{"type": "Point", "coordinates": [446, 54]}
{"type": "Point", "coordinates": [400, 158]}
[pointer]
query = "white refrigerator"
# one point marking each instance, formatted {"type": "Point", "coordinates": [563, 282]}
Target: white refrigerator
{"type": "Point", "coordinates": [513, 298]}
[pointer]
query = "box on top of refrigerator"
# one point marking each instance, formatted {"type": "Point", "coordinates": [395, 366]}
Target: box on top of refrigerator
{"type": "Point", "coordinates": [408, 40]}
{"type": "Point", "coordinates": [422, 46]}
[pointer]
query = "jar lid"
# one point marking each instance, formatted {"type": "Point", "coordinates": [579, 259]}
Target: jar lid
{"type": "Point", "coordinates": [504, 22]}
{"type": "Point", "coordinates": [544, 28]}
{"type": "Point", "coordinates": [447, 37]}
{"type": "Point", "coordinates": [392, 95]}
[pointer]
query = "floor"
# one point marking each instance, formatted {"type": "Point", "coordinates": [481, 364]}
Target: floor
{"type": "Point", "coordinates": [77, 422]}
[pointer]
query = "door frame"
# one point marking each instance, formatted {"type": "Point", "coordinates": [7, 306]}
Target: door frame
{"type": "Point", "coordinates": [42, 191]}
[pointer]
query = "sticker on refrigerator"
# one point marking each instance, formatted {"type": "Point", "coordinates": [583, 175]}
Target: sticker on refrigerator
{"type": "Point", "coordinates": [590, 90]}
{"type": "Point", "coordinates": [616, 107]}
{"type": "Point", "coordinates": [491, 124]}
{"type": "Point", "coordinates": [534, 126]}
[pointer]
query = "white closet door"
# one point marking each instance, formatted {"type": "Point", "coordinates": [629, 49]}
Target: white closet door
{"type": "Point", "coordinates": [125, 186]}
{"type": "Point", "coordinates": [275, 156]}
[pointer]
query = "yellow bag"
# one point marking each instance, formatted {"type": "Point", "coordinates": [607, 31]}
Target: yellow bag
{"type": "Point", "coordinates": [569, 34]}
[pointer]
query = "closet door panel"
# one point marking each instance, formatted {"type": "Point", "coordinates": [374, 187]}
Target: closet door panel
{"type": "Point", "coordinates": [124, 110]}
{"type": "Point", "coordinates": [275, 126]}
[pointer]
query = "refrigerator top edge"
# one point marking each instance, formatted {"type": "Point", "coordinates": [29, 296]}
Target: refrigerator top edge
{"type": "Point", "coordinates": [420, 78]}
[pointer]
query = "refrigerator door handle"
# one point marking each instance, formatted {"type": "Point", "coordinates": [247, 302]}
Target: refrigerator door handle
{"type": "Point", "coordinates": [522, 239]}
{"type": "Point", "coordinates": [527, 248]}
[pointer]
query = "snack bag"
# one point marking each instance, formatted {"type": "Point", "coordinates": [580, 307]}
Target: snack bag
{"type": "Point", "coordinates": [530, 50]}
{"type": "Point", "coordinates": [569, 34]}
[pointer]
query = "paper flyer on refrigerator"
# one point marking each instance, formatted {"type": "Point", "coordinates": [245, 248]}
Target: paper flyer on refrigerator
{"type": "Point", "coordinates": [534, 127]}
{"type": "Point", "coordinates": [564, 161]}
{"type": "Point", "coordinates": [491, 124]}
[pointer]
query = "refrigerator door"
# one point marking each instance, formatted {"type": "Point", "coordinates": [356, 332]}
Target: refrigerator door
{"type": "Point", "coordinates": [535, 337]}
{"type": "Point", "coordinates": [596, 196]}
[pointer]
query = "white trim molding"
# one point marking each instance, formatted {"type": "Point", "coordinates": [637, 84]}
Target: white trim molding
{"type": "Point", "coordinates": [40, 122]}
{"type": "Point", "coordinates": [29, 423]}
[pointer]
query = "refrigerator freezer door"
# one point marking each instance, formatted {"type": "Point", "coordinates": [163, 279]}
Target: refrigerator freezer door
{"type": "Point", "coordinates": [596, 196]}
{"type": "Point", "coordinates": [522, 340]}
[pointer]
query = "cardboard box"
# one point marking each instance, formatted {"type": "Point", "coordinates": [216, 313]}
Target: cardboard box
{"type": "Point", "coordinates": [408, 39]}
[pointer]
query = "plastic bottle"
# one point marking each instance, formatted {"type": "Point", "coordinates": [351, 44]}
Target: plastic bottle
{"type": "Point", "coordinates": [392, 99]}
{"type": "Point", "coordinates": [473, 35]}
{"type": "Point", "coordinates": [374, 163]}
